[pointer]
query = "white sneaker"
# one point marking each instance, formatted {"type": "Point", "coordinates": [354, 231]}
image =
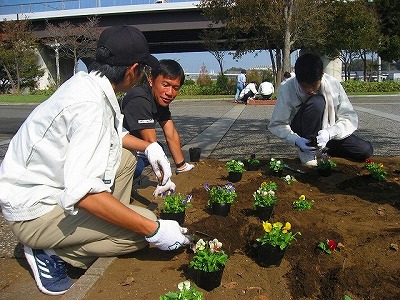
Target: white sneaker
{"type": "Point", "coordinates": [307, 158]}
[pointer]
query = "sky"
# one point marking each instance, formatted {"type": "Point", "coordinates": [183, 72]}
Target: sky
{"type": "Point", "coordinates": [191, 62]}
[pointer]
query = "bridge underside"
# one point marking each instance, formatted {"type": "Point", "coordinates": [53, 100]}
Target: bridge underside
{"type": "Point", "coordinates": [166, 31]}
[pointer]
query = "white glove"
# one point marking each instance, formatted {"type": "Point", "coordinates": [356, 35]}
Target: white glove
{"type": "Point", "coordinates": [302, 143]}
{"type": "Point", "coordinates": [160, 189]}
{"type": "Point", "coordinates": [322, 138]}
{"type": "Point", "coordinates": [157, 158]}
{"type": "Point", "coordinates": [168, 236]}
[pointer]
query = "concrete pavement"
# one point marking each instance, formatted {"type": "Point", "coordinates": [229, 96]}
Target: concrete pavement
{"type": "Point", "coordinates": [225, 130]}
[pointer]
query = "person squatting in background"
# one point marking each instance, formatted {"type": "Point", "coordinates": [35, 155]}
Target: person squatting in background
{"type": "Point", "coordinates": [314, 104]}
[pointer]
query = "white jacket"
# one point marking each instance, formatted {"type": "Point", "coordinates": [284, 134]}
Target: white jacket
{"type": "Point", "coordinates": [339, 117]}
{"type": "Point", "coordinates": [69, 146]}
{"type": "Point", "coordinates": [266, 88]}
{"type": "Point", "coordinates": [250, 87]}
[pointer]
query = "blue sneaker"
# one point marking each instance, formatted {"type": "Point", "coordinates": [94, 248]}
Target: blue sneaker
{"type": "Point", "coordinates": [49, 271]}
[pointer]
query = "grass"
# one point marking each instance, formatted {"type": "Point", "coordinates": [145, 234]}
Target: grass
{"type": "Point", "coordinates": [7, 98]}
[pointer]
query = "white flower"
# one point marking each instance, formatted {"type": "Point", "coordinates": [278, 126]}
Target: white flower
{"type": "Point", "coordinates": [200, 245]}
{"type": "Point", "coordinates": [184, 285]}
{"type": "Point", "coordinates": [215, 245]}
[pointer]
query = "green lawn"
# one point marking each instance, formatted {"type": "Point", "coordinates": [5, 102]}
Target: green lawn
{"type": "Point", "coordinates": [6, 98]}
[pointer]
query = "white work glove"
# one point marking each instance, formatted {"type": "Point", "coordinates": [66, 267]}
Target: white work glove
{"type": "Point", "coordinates": [160, 189]}
{"type": "Point", "coordinates": [157, 158]}
{"type": "Point", "coordinates": [322, 138]}
{"type": "Point", "coordinates": [302, 143]}
{"type": "Point", "coordinates": [168, 236]}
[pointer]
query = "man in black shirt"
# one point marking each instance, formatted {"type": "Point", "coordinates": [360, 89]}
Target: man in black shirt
{"type": "Point", "coordinates": [143, 106]}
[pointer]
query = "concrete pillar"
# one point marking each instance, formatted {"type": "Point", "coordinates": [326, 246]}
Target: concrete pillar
{"type": "Point", "coordinates": [47, 61]}
{"type": "Point", "coordinates": [333, 67]}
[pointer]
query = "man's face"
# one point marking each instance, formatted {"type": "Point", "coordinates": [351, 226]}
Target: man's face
{"type": "Point", "coordinates": [165, 89]}
{"type": "Point", "coordinates": [311, 89]}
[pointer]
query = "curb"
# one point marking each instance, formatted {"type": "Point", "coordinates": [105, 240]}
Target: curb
{"type": "Point", "coordinates": [83, 285]}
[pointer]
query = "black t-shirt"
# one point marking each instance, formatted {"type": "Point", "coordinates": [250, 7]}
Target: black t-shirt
{"type": "Point", "coordinates": [141, 110]}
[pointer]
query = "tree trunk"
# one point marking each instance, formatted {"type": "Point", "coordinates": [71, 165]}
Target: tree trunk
{"type": "Point", "coordinates": [287, 44]}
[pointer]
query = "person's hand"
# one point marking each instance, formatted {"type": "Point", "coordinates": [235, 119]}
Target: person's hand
{"type": "Point", "coordinates": [322, 138]}
{"type": "Point", "coordinates": [160, 189]}
{"type": "Point", "coordinates": [302, 143]}
{"type": "Point", "coordinates": [168, 236]}
{"type": "Point", "coordinates": [157, 158]}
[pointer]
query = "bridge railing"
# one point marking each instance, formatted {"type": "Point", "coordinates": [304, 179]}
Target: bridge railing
{"type": "Point", "coordinates": [48, 5]}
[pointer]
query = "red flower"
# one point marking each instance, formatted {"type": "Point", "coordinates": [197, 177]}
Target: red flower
{"type": "Point", "coordinates": [331, 245]}
{"type": "Point", "coordinates": [369, 160]}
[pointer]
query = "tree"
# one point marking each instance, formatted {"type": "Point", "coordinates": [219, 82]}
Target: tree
{"type": "Point", "coordinates": [18, 56]}
{"type": "Point", "coordinates": [281, 25]}
{"type": "Point", "coordinates": [214, 41]}
{"type": "Point", "coordinates": [355, 36]}
{"type": "Point", "coordinates": [389, 19]}
{"type": "Point", "coordinates": [74, 41]}
{"type": "Point", "coordinates": [203, 78]}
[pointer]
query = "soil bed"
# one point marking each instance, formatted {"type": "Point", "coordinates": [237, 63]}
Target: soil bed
{"type": "Point", "coordinates": [350, 207]}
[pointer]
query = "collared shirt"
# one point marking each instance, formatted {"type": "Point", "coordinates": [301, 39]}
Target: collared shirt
{"type": "Point", "coordinates": [69, 146]}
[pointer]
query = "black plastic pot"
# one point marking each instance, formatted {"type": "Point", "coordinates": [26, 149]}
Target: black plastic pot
{"type": "Point", "coordinates": [179, 217]}
{"type": "Point", "coordinates": [209, 280]}
{"type": "Point", "coordinates": [234, 176]}
{"type": "Point", "coordinates": [264, 213]}
{"type": "Point", "coordinates": [221, 209]}
{"type": "Point", "coordinates": [269, 255]}
{"type": "Point", "coordinates": [194, 154]}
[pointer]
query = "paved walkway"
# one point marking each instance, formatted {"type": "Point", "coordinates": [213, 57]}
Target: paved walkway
{"type": "Point", "coordinates": [225, 130]}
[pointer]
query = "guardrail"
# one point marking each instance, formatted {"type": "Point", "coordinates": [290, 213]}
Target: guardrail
{"type": "Point", "coordinates": [43, 6]}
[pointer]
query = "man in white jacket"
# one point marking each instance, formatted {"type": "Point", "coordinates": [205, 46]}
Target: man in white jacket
{"type": "Point", "coordinates": [313, 104]}
{"type": "Point", "coordinates": [66, 179]}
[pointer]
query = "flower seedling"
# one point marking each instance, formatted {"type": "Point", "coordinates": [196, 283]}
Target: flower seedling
{"type": "Point", "coordinates": [376, 170]}
{"type": "Point", "coordinates": [265, 195]}
{"type": "Point", "coordinates": [328, 246]}
{"type": "Point", "coordinates": [175, 202]}
{"type": "Point", "coordinates": [221, 194]}
{"type": "Point", "coordinates": [253, 160]}
{"type": "Point", "coordinates": [289, 179]}
{"type": "Point", "coordinates": [209, 256]}
{"type": "Point", "coordinates": [277, 235]}
{"type": "Point", "coordinates": [235, 166]}
{"type": "Point", "coordinates": [276, 165]}
{"type": "Point", "coordinates": [325, 163]}
{"type": "Point", "coordinates": [303, 203]}
{"type": "Point", "coordinates": [185, 293]}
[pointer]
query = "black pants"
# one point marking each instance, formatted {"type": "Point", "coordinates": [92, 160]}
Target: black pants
{"type": "Point", "coordinates": [247, 96]}
{"type": "Point", "coordinates": [308, 121]}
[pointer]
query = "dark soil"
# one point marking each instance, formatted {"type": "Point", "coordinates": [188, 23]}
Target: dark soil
{"type": "Point", "coordinates": [350, 207]}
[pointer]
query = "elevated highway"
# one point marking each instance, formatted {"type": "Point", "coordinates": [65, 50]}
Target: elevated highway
{"type": "Point", "coordinates": [168, 27]}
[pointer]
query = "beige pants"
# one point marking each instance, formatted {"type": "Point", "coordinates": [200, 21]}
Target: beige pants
{"type": "Point", "coordinates": [79, 240]}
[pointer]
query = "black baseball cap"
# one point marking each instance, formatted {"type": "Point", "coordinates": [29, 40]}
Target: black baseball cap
{"type": "Point", "coordinates": [127, 46]}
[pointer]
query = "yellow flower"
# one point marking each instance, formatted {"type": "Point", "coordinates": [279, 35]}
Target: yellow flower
{"type": "Point", "coordinates": [287, 227]}
{"type": "Point", "coordinates": [381, 165]}
{"type": "Point", "coordinates": [302, 197]}
{"type": "Point", "coordinates": [267, 226]}
{"type": "Point", "coordinates": [277, 225]}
